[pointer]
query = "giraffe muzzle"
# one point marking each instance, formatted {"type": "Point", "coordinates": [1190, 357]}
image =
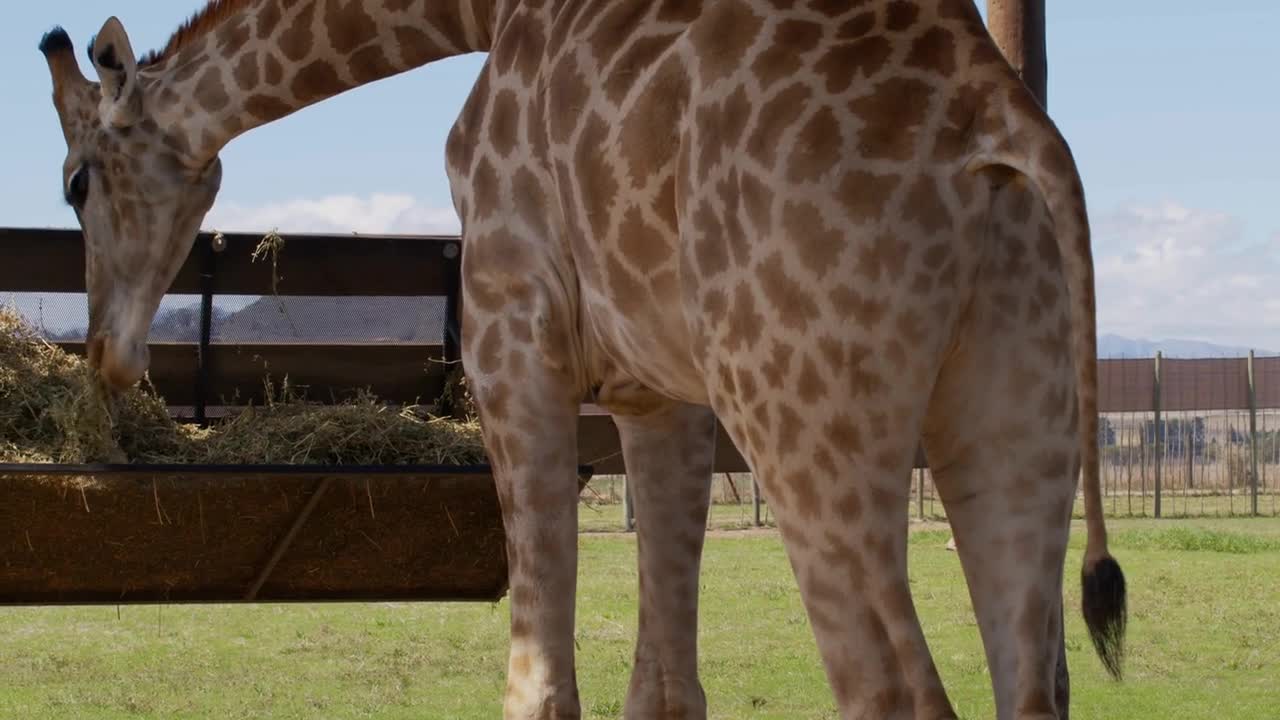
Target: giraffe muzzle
{"type": "Point", "coordinates": [120, 363]}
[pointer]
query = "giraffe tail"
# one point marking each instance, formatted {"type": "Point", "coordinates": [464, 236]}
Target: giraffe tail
{"type": "Point", "coordinates": [1014, 132]}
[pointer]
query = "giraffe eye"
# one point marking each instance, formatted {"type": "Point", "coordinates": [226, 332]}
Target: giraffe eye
{"type": "Point", "coordinates": [78, 187]}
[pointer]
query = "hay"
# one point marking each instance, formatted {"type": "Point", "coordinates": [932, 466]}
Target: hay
{"type": "Point", "coordinates": [53, 409]}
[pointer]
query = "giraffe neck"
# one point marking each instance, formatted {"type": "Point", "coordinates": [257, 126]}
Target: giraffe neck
{"type": "Point", "coordinates": [271, 58]}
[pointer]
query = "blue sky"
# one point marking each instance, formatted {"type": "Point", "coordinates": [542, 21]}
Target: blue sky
{"type": "Point", "coordinates": [1168, 106]}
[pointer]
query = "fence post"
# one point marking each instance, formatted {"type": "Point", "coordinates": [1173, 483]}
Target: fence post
{"type": "Point", "coordinates": [628, 509]}
{"type": "Point", "coordinates": [208, 269]}
{"type": "Point", "coordinates": [1253, 438]}
{"type": "Point", "coordinates": [755, 499]}
{"type": "Point", "coordinates": [920, 492]}
{"type": "Point", "coordinates": [1158, 428]}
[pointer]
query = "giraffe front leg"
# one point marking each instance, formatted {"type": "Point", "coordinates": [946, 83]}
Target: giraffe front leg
{"type": "Point", "coordinates": [669, 454]}
{"type": "Point", "coordinates": [519, 370]}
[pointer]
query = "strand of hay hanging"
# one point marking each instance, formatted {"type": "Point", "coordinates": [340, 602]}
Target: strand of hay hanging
{"type": "Point", "coordinates": [52, 409]}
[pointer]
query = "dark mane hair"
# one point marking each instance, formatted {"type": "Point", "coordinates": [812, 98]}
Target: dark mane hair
{"type": "Point", "coordinates": [196, 27]}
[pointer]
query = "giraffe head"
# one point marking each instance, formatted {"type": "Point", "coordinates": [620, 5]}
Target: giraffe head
{"type": "Point", "coordinates": [137, 193]}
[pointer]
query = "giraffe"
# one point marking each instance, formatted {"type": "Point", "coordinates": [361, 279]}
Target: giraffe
{"type": "Point", "coordinates": [835, 226]}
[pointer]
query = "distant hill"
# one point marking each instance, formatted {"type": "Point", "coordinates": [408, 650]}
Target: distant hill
{"type": "Point", "coordinates": [1116, 346]}
{"type": "Point", "coordinates": [336, 319]}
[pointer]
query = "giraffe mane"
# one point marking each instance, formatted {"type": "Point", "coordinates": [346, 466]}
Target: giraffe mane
{"type": "Point", "coordinates": [196, 27]}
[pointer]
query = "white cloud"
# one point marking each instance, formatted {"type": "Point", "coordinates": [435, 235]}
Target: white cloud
{"type": "Point", "coordinates": [378, 213]}
{"type": "Point", "coordinates": [1170, 271]}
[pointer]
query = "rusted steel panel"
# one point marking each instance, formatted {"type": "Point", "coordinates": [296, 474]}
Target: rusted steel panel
{"type": "Point", "coordinates": [180, 534]}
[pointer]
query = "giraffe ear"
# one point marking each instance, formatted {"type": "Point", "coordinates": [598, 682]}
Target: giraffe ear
{"type": "Point", "coordinates": [117, 67]}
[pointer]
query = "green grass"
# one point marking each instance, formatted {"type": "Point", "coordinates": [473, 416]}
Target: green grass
{"type": "Point", "coordinates": [1204, 641]}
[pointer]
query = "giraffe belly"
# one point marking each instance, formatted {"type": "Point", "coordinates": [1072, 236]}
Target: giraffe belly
{"type": "Point", "coordinates": [648, 345]}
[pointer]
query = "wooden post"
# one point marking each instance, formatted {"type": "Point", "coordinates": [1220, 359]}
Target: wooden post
{"type": "Point", "coordinates": [1159, 454]}
{"type": "Point", "coordinates": [628, 508]}
{"type": "Point", "coordinates": [1253, 437]}
{"type": "Point", "coordinates": [1018, 29]}
{"type": "Point", "coordinates": [755, 499]}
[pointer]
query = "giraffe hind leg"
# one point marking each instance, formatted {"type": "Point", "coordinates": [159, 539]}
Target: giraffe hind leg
{"type": "Point", "coordinates": [669, 450]}
{"type": "Point", "coordinates": [1001, 439]}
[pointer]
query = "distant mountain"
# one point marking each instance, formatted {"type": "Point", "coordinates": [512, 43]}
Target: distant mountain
{"type": "Point", "coordinates": [1116, 346]}
{"type": "Point", "coordinates": [335, 319]}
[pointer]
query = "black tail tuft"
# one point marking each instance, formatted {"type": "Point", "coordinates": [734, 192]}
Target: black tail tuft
{"type": "Point", "coordinates": [1103, 601]}
{"type": "Point", "coordinates": [56, 40]}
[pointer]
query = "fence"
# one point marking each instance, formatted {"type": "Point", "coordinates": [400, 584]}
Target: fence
{"type": "Point", "coordinates": [337, 312]}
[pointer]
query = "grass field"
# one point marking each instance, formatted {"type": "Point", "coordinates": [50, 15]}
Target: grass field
{"type": "Point", "coordinates": [1204, 641]}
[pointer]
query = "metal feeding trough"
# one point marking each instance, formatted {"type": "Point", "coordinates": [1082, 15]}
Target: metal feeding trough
{"type": "Point", "coordinates": [133, 534]}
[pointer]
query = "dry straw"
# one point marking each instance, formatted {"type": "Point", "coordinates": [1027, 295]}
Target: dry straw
{"type": "Point", "coordinates": [52, 409]}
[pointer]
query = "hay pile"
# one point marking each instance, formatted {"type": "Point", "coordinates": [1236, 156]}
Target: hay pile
{"type": "Point", "coordinates": [52, 409]}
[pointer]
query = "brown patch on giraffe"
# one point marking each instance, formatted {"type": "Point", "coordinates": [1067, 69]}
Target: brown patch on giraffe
{"type": "Point", "coordinates": [884, 255]}
{"type": "Point", "coordinates": [866, 195]}
{"type": "Point", "coordinates": [790, 425]}
{"type": "Point", "coordinates": [210, 93]}
{"type": "Point", "coordinates": [267, 19]}
{"type": "Point", "coordinates": [745, 322]}
{"type": "Point", "coordinates": [315, 81]}
{"type": "Point", "coordinates": [653, 123]}
{"type": "Point", "coordinates": [925, 206]}
{"type": "Point", "coordinates": [868, 312]}
{"type": "Point", "coordinates": [644, 247]}
{"type": "Point", "coordinates": [818, 148]}
{"type": "Point", "coordinates": [484, 188]}
{"type": "Point", "coordinates": [664, 202]}
{"type": "Point", "coordinates": [804, 494]}
{"type": "Point", "coordinates": [857, 26]}
{"type": "Point", "coordinates": [818, 247]}
{"type": "Point", "coordinates": [638, 57]}
{"type": "Point", "coordinates": [678, 11]}
{"type": "Point", "coordinates": [845, 63]}
{"type": "Point", "coordinates": [596, 174]}
{"type": "Point", "coordinates": [246, 73]}
{"type": "Point", "coordinates": [778, 366]}
{"type": "Point", "coordinates": [369, 64]}
{"type": "Point", "coordinates": [618, 21]}
{"type": "Point", "coordinates": [504, 122]}
{"type": "Point", "coordinates": [935, 51]}
{"type": "Point", "coordinates": [792, 38]}
{"type": "Point", "coordinates": [757, 198]}
{"type": "Point", "coordinates": [833, 8]}
{"type": "Point", "coordinates": [953, 139]}
{"type": "Point", "coordinates": [232, 35]}
{"type": "Point", "coordinates": [531, 201]}
{"type": "Point", "coordinates": [863, 382]}
{"type": "Point", "coordinates": [844, 435]}
{"type": "Point", "coordinates": [520, 49]}
{"type": "Point", "coordinates": [892, 114]}
{"type": "Point", "coordinates": [415, 46]}
{"type": "Point", "coordinates": [792, 302]}
{"type": "Point", "coordinates": [709, 245]}
{"type": "Point", "coordinates": [488, 349]}
{"type": "Point", "coordinates": [722, 37]}
{"type": "Point", "coordinates": [901, 15]}
{"type": "Point", "coordinates": [735, 235]}
{"type": "Point", "coordinates": [297, 39]}
{"type": "Point", "coordinates": [775, 118]}
{"type": "Point", "coordinates": [747, 383]}
{"type": "Point", "coordinates": [810, 386]}
{"type": "Point", "coordinates": [272, 70]}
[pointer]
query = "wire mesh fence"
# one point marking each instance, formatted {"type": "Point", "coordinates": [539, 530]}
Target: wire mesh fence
{"type": "Point", "coordinates": [1177, 437]}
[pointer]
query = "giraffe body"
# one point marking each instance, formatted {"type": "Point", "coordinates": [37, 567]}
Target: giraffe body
{"type": "Point", "coordinates": [838, 227]}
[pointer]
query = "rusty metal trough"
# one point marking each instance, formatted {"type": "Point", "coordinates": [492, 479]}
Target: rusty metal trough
{"type": "Point", "coordinates": [133, 534]}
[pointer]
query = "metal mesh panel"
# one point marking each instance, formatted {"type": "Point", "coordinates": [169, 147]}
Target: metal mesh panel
{"type": "Point", "coordinates": [251, 319]}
